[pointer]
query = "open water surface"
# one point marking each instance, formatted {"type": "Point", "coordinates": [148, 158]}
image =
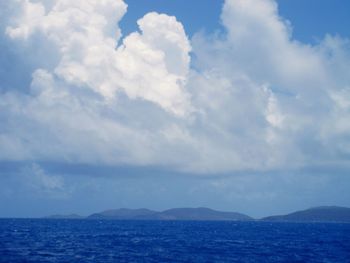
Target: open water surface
{"type": "Point", "coordinates": [43, 240]}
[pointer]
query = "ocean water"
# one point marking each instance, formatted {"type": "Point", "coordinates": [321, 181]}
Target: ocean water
{"type": "Point", "coordinates": [40, 240]}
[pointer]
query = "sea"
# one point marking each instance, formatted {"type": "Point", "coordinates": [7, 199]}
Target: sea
{"type": "Point", "coordinates": [49, 240]}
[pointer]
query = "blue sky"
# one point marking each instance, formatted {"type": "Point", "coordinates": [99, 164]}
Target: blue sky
{"type": "Point", "coordinates": [234, 105]}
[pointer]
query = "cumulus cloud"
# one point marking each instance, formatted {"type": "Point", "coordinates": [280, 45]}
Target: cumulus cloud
{"type": "Point", "coordinates": [150, 65]}
{"type": "Point", "coordinates": [255, 99]}
{"type": "Point", "coordinates": [298, 80]}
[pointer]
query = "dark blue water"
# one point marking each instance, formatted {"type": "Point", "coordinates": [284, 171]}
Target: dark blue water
{"type": "Point", "coordinates": [26, 240]}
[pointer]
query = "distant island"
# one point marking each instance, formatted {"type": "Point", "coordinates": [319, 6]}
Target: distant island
{"type": "Point", "coordinates": [316, 214]}
{"type": "Point", "coordinates": [200, 213]}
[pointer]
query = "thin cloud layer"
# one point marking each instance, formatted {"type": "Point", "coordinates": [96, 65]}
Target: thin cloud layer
{"type": "Point", "coordinates": [254, 98]}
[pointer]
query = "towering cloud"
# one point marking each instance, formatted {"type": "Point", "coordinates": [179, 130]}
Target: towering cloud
{"type": "Point", "coordinates": [255, 99]}
{"type": "Point", "coordinates": [281, 89]}
{"type": "Point", "coordinates": [152, 65]}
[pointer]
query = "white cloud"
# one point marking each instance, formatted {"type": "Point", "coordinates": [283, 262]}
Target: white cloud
{"type": "Point", "coordinates": [155, 63]}
{"type": "Point", "coordinates": [255, 100]}
{"type": "Point", "coordinates": [150, 65]}
{"type": "Point", "coordinates": [298, 79]}
{"type": "Point", "coordinates": [31, 15]}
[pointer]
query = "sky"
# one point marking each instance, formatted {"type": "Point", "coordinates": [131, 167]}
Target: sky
{"type": "Point", "coordinates": [236, 105]}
